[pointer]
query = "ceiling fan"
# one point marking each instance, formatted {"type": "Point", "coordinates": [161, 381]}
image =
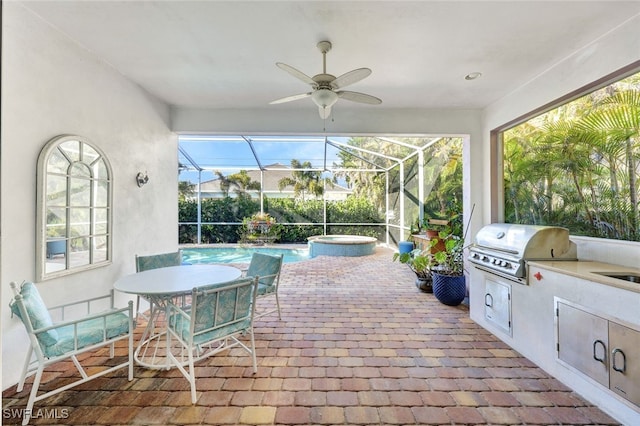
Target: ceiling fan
{"type": "Point", "coordinates": [326, 87]}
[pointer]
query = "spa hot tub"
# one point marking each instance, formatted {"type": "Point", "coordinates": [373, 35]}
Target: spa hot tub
{"type": "Point", "coordinates": [341, 245]}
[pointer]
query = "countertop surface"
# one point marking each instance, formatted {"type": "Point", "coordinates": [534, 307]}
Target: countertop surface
{"type": "Point", "coordinates": [589, 270]}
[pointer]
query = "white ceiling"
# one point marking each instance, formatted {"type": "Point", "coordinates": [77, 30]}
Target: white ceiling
{"type": "Point", "coordinates": [222, 54]}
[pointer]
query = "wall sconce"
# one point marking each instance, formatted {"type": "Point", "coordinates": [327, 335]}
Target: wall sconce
{"type": "Point", "coordinates": [142, 179]}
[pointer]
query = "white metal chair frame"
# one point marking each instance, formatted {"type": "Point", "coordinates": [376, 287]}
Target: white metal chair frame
{"type": "Point", "coordinates": [41, 361]}
{"type": "Point", "coordinates": [272, 279]}
{"type": "Point", "coordinates": [153, 261]}
{"type": "Point", "coordinates": [240, 323]}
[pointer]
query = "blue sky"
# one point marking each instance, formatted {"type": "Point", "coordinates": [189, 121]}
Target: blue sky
{"type": "Point", "coordinates": [220, 152]}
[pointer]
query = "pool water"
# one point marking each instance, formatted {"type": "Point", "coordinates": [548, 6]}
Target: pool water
{"type": "Point", "coordinates": [238, 254]}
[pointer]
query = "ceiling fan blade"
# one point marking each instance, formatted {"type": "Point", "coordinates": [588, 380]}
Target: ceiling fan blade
{"type": "Point", "coordinates": [350, 78]}
{"type": "Point", "coordinates": [359, 97]}
{"type": "Point", "coordinates": [291, 98]}
{"type": "Point", "coordinates": [324, 112]}
{"type": "Point", "coordinates": [296, 73]}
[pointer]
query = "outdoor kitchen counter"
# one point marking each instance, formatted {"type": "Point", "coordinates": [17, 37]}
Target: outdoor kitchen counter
{"type": "Point", "coordinates": [588, 270]}
{"type": "Point", "coordinates": [533, 319]}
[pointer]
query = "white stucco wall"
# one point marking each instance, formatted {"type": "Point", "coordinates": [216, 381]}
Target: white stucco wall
{"type": "Point", "coordinates": [614, 50]}
{"type": "Point", "coordinates": [374, 120]}
{"type": "Point", "coordinates": [52, 86]}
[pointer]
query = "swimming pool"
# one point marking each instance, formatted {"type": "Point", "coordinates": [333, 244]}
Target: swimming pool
{"type": "Point", "coordinates": [238, 254]}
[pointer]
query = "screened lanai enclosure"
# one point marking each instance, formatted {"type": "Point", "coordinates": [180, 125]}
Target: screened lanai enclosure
{"type": "Point", "coordinates": [300, 186]}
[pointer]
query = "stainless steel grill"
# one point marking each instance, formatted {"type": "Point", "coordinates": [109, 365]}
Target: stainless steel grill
{"type": "Point", "coordinates": [504, 249]}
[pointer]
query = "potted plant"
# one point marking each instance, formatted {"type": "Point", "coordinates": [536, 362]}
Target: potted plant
{"type": "Point", "coordinates": [432, 228]}
{"type": "Point", "coordinates": [447, 268]}
{"type": "Point", "coordinates": [418, 261]}
{"type": "Point", "coordinates": [260, 228]}
{"type": "Point", "coordinates": [433, 225]}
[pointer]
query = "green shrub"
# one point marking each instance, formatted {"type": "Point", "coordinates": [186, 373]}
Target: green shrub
{"type": "Point", "coordinates": [286, 211]}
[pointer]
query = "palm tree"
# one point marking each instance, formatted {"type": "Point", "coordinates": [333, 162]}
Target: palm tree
{"type": "Point", "coordinates": [616, 123]}
{"type": "Point", "coordinates": [442, 172]}
{"type": "Point", "coordinates": [304, 181]}
{"type": "Point", "coordinates": [371, 185]}
{"type": "Point", "coordinates": [186, 190]}
{"type": "Point", "coordinates": [443, 175]}
{"type": "Point", "coordinates": [578, 165]}
{"type": "Point", "coordinates": [241, 183]}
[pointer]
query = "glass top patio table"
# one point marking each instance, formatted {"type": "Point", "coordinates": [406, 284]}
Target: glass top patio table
{"type": "Point", "coordinates": [160, 286]}
{"type": "Point", "coordinates": [175, 280]}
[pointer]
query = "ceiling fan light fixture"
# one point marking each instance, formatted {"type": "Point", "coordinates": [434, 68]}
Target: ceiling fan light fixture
{"type": "Point", "coordinates": [324, 98]}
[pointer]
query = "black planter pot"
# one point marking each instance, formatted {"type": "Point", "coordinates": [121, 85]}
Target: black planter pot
{"type": "Point", "coordinates": [450, 290]}
{"type": "Point", "coordinates": [424, 284]}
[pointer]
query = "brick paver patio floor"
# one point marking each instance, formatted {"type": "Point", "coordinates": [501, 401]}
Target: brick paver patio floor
{"type": "Point", "coordinates": [358, 344]}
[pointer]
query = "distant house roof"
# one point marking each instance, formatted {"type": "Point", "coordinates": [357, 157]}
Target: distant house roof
{"type": "Point", "coordinates": [269, 181]}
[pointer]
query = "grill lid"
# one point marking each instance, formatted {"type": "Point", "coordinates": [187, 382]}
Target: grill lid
{"type": "Point", "coordinates": [527, 242]}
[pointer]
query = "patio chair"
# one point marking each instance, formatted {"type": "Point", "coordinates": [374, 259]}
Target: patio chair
{"type": "Point", "coordinates": [154, 261]}
{"type": "Point", "coordinates": [218, 315]}
{"type": "Point", "coordinates": [267, 267]}
{"type": "Point", "coordinates": [53, 342]}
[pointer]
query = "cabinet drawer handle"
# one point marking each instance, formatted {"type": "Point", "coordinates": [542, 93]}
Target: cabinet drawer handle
{"type": "Point", "coordinates": [613, 360]}
{"type": "Point", "coordinates": [488, 300]}
{"type": "Point", "coordinates": [604, 351]}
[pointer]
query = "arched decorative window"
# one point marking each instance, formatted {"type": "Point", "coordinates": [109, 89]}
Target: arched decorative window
{"type": "Point", "coordinates": [74, 207]}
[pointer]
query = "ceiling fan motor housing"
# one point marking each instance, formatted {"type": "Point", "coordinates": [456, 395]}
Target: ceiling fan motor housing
{"type": "Point", "coordinates": [323, 81]}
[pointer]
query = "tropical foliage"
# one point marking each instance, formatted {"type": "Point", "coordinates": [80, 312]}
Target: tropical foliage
{"type": "Point", "coordinates": [371, 168]}
{"type": "Point", "coordinates": [449, 261]}
{"type": "Point", "coordinates": [444, 254]}
{"type": "Point", "coordinates": [304, 181]}
{"type": "Point", "coordinates": [296, 219]}
{"type": "Point", "coordinates": [442, 166]}
{"type": "Point", "coordinates": [417, 260]}
{"type": "Point", "coordinates": [240, 182]}
{"type": "Point", "coordinates": [186, 190]}
{"type": "Point", "coordinates": [578, 166]}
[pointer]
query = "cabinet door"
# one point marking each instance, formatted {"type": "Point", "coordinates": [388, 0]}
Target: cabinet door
{"type": "Point", "coordinates": [625, 361]}
{"type": "Point", "coordinates": [497, 304]}
{"type": "Point", "coordinates": [583, 342]}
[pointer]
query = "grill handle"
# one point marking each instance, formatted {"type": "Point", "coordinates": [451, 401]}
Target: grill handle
{"type": "Point", "coordinates": [488, 300]}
